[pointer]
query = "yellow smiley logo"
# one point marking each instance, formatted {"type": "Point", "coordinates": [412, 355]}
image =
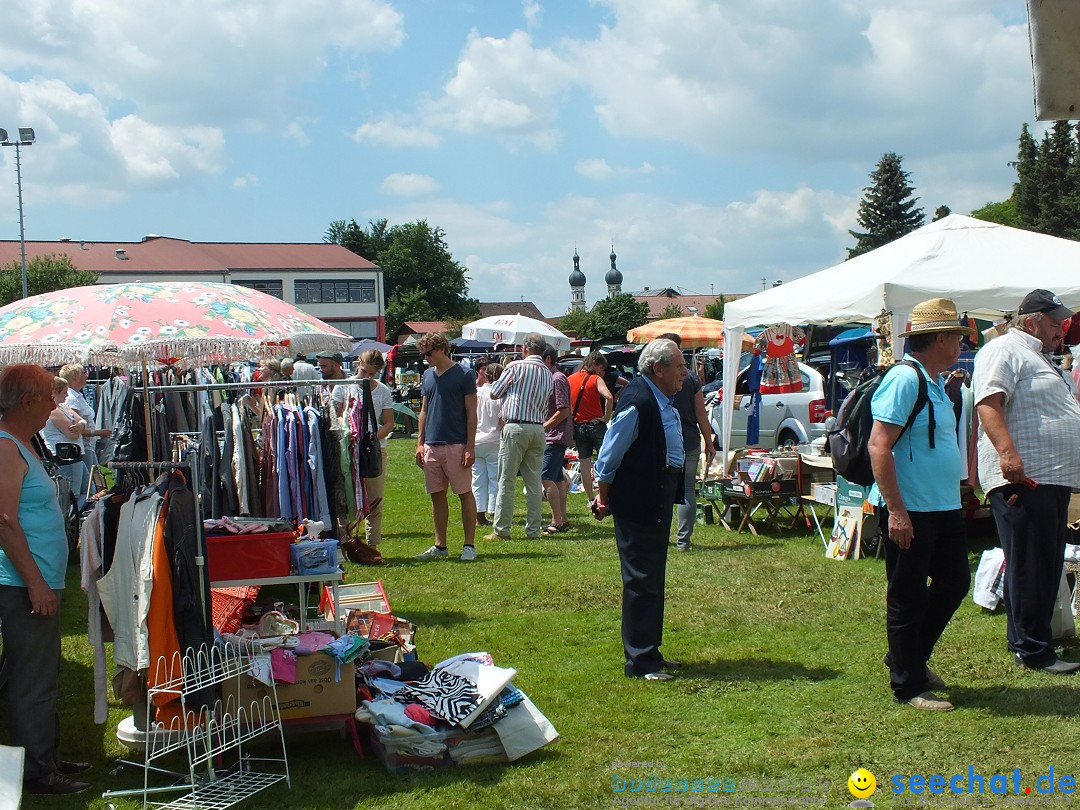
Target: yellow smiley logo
{"type": "Point", "coordinates": [862, 784]}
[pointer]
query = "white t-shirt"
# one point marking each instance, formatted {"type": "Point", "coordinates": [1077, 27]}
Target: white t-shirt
{"type": "Point", "coordinates": [381, 399]}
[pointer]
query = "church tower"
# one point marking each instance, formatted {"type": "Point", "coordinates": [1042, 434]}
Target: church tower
{"type": "Point", "coordinates": [613, 277]}
{"type": "Point", "coordinates": [577, 287]}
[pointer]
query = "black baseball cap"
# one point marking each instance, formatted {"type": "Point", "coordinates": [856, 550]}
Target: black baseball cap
{"type": "Point", "coordinates": [1044, 301]}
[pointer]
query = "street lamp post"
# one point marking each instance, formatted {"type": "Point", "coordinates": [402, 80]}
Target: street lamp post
{"type": "Point", "coordinates": [26, 138]}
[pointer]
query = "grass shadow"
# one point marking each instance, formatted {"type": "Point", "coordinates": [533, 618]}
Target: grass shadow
{"type": "Point", "coordinates": [734, 547]}
{"type": "Point", "coordinates": [755, 669]}
{"type": "Point", "coordinates": [1011, 701]}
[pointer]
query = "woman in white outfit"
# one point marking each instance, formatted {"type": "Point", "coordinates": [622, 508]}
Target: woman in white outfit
{"type": "Point", "coordinates": [489, 425]}
{"type": "Point", "coordinates": [65, 425]}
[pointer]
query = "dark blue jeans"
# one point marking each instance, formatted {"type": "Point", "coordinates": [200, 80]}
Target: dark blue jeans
{"type": "Point", "coordinates": [917, 611]}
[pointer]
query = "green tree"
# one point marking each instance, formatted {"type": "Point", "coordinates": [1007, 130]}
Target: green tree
{"type": "Point", "coordinates": [887, 210]}
{"type": "Point", "coordinates": [422, 280]}
{"type": "Point", "coordinates": [1003, 213]}
{"type": "Point", "coordinates": [715, 309]}
{"type": "Point", "coordinates": [577, 322]}
{"type": "Point", "coordinates": [671, 311]}
{"type": "Point", "coordinates": [611, 318]}
{"type": "Point", "coordinates": [1025, 196]}
{"type": "Point", "coordinates": [941, 212]}
{"type": "Point", "coordinates": [43, 274]}
{"type": "Point", "coordinates": [1056, 194]}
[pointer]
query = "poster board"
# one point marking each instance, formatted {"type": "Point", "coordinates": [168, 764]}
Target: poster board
{"type": "Point", "coordinates": [846, 539]}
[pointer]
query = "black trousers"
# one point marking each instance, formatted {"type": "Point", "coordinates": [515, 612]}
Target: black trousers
{"type": "Point", "coordinates": [32, 653]}
{"type": "Point", "coordinates": [917, 611]}
{"type": "Point", "coordinates": [643, 549]}
{"type": "Point", "coordinates": [1032, 533]}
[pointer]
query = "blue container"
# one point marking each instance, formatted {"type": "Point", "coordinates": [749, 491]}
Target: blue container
{"type": "Point", "coordinates": [314, 557]}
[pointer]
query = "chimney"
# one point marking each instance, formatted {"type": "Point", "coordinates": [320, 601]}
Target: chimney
{"type": "Point", "coordinates": [121, 254]}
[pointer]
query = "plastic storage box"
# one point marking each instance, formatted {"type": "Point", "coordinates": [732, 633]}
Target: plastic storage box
{"type": "Point", "coordinates": [314, 556]}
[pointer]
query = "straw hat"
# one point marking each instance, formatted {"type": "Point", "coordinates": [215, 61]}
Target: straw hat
{"type": "Point", "coordinates": [936, 315]}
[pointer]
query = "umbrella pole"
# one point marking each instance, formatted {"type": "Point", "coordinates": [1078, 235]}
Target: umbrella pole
{"type": "Point", "coordinates": [146, 411]}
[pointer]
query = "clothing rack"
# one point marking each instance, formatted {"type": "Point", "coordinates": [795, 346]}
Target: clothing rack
{"type": "Point", "coordinates": [243, 386]}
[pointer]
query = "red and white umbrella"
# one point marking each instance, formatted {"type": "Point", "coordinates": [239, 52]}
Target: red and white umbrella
{"type": "Point", "coordinates": [512, 329]}
{"type": "Point", "coordinates": [169, 323]}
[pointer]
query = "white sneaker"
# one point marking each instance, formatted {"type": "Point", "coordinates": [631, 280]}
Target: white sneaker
{"type": "Point", "coordinates": [468, 554]}
{"type": "Point", "coordinates": [433, 553]}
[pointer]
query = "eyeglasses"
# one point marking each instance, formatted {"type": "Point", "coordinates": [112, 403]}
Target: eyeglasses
{"type": "Point", "coordinates": [428, 353]}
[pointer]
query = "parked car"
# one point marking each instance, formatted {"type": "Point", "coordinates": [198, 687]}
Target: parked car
{"type": "Point", "coordinates": [786, 419]}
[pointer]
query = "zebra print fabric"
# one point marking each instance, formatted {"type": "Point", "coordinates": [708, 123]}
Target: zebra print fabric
{"type": "Point", "coordinates": [445, 695]}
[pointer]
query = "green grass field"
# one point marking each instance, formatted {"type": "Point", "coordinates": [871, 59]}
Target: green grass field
{"type": "Point", "coordinates": [782, 677]}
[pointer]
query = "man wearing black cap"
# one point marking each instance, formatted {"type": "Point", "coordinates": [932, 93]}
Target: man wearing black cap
{"type": "Point", "coordinates": [1029, 464]}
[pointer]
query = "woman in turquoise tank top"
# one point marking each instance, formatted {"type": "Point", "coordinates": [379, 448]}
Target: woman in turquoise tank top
{"type": "Point", "coordinates": [33, 563]}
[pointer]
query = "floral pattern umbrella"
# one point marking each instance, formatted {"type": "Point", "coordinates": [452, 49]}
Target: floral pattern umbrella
{"type": "Point", "coordinates": [165, 323]}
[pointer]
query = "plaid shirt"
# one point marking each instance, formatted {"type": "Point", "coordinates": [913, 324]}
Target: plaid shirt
{"type": "Point", "coordinates": [525, 388]}
{"type": "Point", "coordinates": [1041, 412]}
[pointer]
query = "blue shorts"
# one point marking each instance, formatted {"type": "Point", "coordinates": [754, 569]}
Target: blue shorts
{"type": "Point", "coordinates": [554, 455]}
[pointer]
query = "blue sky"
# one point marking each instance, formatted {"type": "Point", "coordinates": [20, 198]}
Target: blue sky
{"type": "Point", "coordinates": [714, 143]}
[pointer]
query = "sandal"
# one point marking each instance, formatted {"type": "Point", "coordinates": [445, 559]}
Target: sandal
{"type": "Point", "coordinates": [555, 528]}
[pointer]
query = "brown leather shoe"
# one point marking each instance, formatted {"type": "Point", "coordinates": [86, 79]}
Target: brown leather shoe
{"type": "Point", "coordinates": [930, 702]}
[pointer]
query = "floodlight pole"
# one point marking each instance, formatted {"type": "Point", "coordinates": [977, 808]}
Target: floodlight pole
{"type": "Point", "coordinates": [26, 138]}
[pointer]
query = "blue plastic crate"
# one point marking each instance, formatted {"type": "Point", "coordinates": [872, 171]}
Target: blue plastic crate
{"type": "Point", "coordinates": [314, 556]}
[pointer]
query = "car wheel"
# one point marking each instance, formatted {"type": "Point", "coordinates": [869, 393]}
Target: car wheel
{"type": "Point", "coordinates": [787, 440]}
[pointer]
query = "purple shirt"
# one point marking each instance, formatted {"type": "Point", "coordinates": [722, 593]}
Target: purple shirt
{"type": "Point", "coordinates": [562, 433]}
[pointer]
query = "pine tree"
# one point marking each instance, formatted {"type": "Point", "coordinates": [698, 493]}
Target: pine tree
{"type": "Point", "coordinates": [887, 211]}
{"type": "Point", "coordinates": [1025, 194]}
{"type": "Point", "coordinates": [1056, 194]}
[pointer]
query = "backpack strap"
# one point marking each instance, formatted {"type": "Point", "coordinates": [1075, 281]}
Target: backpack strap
{"type": "Point", "coordinates": [922, 399]}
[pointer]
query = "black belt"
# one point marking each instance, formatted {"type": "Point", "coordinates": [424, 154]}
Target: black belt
{"type": "Point", "coordinates": [673, 470]}
{"type": "Point", "coordinates": [522, 422]}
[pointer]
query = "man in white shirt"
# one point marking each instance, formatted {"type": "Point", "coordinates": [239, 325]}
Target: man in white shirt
{"type": "Point", "coordinates": [1029, 465]}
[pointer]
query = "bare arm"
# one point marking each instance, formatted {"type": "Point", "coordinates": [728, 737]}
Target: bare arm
{"type": "Point", "coordinates": [470, 429]}
{"type": "Point", "coordinates": [386, 422]}
{"type": "Point", "coordinates": [991, 412]}
{"type": "Point", "coordinates": [556, 418]}
{"type": "Point", "coordinates": [12, 539]}
{"type": "Point", "coordinates": [882, 438]}
{"type": "Point", "coordinates": [60, 419]}
{"type": "Point", "coordinates": [605, 392]}
{"type": "Point", "coordinates": [421, 424]}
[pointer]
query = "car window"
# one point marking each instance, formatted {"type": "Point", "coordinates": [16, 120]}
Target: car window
{"type": "Point", "coordinates": [805, 381]}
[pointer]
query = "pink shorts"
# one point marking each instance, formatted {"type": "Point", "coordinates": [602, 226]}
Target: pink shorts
{"type": "Point", "coordinates": [444, 468]}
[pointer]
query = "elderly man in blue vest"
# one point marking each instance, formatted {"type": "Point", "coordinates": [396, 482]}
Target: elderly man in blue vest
{"type": "Point", "coordinates": [639, 471]}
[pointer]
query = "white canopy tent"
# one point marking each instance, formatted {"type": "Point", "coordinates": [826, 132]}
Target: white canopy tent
{"type": "Point", "coordinates": [985, 268]}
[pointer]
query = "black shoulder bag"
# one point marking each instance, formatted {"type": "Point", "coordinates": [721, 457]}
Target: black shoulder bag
{"type": "Point", "coordinates": [370, 460]}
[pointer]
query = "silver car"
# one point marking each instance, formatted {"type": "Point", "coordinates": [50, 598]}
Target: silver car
{"type": "Point", "coordinates": [786, 419]}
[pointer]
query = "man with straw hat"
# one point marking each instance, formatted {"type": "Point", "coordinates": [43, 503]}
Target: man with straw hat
{"type": "Point", "coordinates": [917, 469]}
{"type": "Point", "coordinates": [1029, 465]}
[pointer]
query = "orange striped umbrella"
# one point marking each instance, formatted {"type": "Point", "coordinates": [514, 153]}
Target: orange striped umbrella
{"type": "Point", "coordinates": [696, 332]}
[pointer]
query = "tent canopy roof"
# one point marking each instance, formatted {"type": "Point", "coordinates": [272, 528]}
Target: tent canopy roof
{"type": "Point", "coordinates": [985, 268]}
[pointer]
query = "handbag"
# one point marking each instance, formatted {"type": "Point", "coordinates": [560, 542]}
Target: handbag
{"type": "Point", "coordinates": [370, 460]}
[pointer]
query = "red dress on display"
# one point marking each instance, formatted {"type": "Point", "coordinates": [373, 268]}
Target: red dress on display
{"type": "Point", "coordinates": [780, 374]}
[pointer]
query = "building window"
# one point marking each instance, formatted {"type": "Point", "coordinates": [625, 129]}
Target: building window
{"type": "Point", "coordinates": [357, 329]}
{"type": "Point", "coordinates": [269, 287]}
{"type": "Point", "coordinates": [334, 292]}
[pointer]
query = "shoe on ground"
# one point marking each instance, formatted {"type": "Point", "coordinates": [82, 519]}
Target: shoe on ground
{"type": "Point", "coordinates": [54, 784]}
{"type": "Point", "coordinates": [468, 554]}
{"type": "Point", "coordinates": [683, 548]}
{"type": "Point", "coordinates": [670, 663]}
{"type": "Point", "coordinates": [659, 676]}
{"type": "Point", "coordinates": [433, 553]}
{"type": "Point", "coordinates": [931, 702]}
{"type": "Point", "coordinates": [495, 536]}
{"type": "Point", "coordinates": [72, 768]}
{"type": "Point", "coordinates": [1059, 667]}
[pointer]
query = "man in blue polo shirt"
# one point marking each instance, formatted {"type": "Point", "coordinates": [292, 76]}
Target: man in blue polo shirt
{"type": "Point", "coordinates": [917, 487]}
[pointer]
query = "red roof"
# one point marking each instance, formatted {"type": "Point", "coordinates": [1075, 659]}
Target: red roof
{"type": "Point", "coordinates": [165, 254]}
{"type": "Point", "coordinates": [657, 303]}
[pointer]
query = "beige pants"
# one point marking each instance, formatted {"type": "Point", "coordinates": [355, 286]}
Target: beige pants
{"type": "Point", "coordinates": [375, 488]}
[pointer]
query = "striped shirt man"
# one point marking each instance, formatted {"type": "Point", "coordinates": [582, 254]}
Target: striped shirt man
{"type": "Point", "coordinates": [525, 389]}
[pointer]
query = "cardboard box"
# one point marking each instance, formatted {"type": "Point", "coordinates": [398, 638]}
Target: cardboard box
{"type": "Point", "coordinates": [315, 693]}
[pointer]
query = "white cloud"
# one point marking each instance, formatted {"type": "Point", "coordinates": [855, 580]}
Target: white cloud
{"type": "Point", "coordinates": [532, 11]}
{"type": "Point", "coordinates": [408, 185]}
{"type": "Point", "coordinates": [389, 133]}
{"type": "Point", "coordinates": [245, 181]}
{"type": "Point", "coordinates": [594, 168]}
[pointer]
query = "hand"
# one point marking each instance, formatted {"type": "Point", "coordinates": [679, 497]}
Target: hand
{"type": "Point", "coordinates": [420, 456]}
{"type": "Point", "coordinates": [599, 509]}
{"type": "Point", "coordinates": [900, 529]}
{"type": "Point", "coordinates": [710, 454]}
{"type": "Point", "coordinates": [43, 601]}
{"type": "Point", "coordinates": [1012, 467]}
{"type": "Point", "coordinates": [468, 457]}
